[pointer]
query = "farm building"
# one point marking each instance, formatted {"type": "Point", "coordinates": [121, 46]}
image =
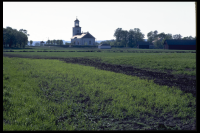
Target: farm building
{"type": "Point", "coordinates": [180, 44]}
{"type": "Point", "coordinates": [79, 38]}
{"type": "Point", "coordinates": [145, 45]}
{"type": "Point", "coordinates": [104, 46]}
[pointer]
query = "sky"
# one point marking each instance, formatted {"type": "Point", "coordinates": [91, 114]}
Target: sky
{"type": "Point", "coordinates": [55, 20]}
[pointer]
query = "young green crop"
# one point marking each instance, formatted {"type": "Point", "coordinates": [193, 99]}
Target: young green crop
{"type": "Point", "coordinates": [178, 63]}
{"type": "Point", "coordinates": [41, 94]}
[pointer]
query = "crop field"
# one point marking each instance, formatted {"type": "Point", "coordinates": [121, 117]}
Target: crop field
{"type": "Point", "coordinates": [99, 90]}
{"type": "Point", "coordinates": [175, 62]}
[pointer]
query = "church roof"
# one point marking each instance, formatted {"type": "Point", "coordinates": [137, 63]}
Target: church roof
{"type": "Point", "coordinates": [82, 35]}
{"type": "Point", "coordinates": [88, 35]}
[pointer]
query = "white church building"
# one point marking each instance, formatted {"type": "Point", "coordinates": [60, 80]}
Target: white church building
{"type": "Point", "coordinates": [81, 38]}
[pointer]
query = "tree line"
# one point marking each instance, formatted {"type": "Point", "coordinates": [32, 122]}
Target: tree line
{"type": "Point", "coordinates": [48, 42]}
{"type": "Point", "coordinates": [124, 38]}
{"type": "Point", "coordinates": [54, 42]}
{"type": "Point", "coordinates": [15, 38]}
{"type": "Point", "coordinates": [158, 38]}
{"type": "Point", "coordinates": [133, 36]}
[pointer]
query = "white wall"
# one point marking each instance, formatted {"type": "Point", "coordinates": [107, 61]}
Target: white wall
{"type": "Point", "coordinates": [83, 40]}
{"type": "Point", "coordinates": [76, 41]}
{"type": "Point", "coordinates": [87, 40]}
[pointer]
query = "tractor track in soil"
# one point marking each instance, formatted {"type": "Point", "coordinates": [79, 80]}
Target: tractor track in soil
{"type": "Point", "coordinates": [185, 83]}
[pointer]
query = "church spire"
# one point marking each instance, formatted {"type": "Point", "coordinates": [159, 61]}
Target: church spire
{"type": "Point", "coordinates": [76, 28]}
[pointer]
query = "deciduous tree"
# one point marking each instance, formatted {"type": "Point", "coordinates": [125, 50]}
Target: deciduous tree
{"type": "Point", "coordinates": [177, 36]}
{"type": "Point", "coordinates": [117, 34]}
{"type": "Point", "coordinates": [31, 42]}
{"type": "Point", "coordinates": [152, 35]}
{"type": "Point", "coordinates": [188, 38]}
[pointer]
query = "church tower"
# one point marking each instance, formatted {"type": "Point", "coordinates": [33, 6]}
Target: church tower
{"type": "Point", "coordinates": [76, 28]}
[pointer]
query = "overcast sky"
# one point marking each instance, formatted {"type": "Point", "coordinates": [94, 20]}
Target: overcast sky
{"type": "Point", "coordinates": [54, 20]}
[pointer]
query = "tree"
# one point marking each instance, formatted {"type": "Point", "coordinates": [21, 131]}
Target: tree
{"type": "Point", "coordinates": [124, 39]}
{"type": "Point", "coordinates": [48, 42]}
{"type": "Point", "coordinates": [152, 35]}
{"type": "Point", "coordinates": [117, 34]}
{"type": "Point", "coordinates": [161, 35]}
{"type": "Point", "coordinates": [24, 39]}
{"type": "Point", "coordinates": [123, 43]}
{"type": "Point", "coordinates": [6, 36]}
{"type": "Point", "coordinates": [42, 43]}
{"type": "Point", "coordinates": [51, 42]}
{"type": "Point", "coordinates": [188, 38]}
{"type": "Point", "coordinates": [9, 36]}
{"type": "Point", "coordinates": [15, 33]}
{"type": "Point", "coordinates": [177, 36]}
{"type": "Point", "coordinates": [13, 38]}
{"type": "Point", "coordinates": [130, 38]}
{"type": "Point", "coordinates": [85, 43]}
{"type": "Point", "coordinates": [161, 39]}
{"type": "Point", "coordinates": [168, 36]}
{"type": "Point", "coordinates": [31, 42]}
{"type": "Point", "coordinates": [138, 36]}
{"type": "Point", "coordinates": [54, 42]}
{"type": "Point", "coordinates": [112, 44]}
{"type": "Point", "coordinates": [57, 42]}
{"type": "Point", "coordinates": [158, 43]}
{"type": "Point", "coordinates": [61, 42]}
{"type": "Point", "coordinates": [155, 33]}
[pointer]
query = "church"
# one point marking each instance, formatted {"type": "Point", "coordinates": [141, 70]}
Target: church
{"type": "Point", "coordinates": [81, 38]}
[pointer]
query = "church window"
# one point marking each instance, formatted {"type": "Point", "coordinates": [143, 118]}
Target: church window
{"type": "Point", "coordinates": [77, 30]}
{"type": "Point", "coordinates": [89, 42]}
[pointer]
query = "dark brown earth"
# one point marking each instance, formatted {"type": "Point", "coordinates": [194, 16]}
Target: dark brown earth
{"type": "Point", "coordinates": [185, 83]}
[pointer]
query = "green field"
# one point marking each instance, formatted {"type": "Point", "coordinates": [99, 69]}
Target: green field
{"type": "Point", "coordinates": [42, 94]}
{"type": "Point", "coordinates": [47, 94]}
{"type": "Point", "coordinates": [164, 60]}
